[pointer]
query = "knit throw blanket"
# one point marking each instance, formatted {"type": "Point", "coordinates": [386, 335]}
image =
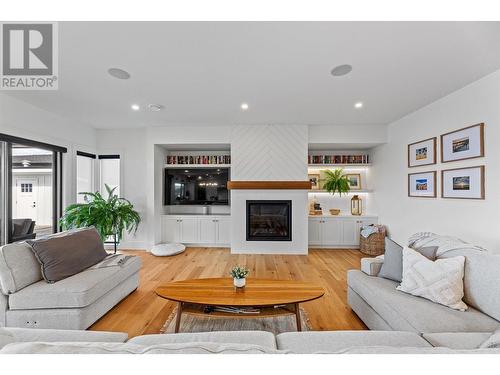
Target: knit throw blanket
{"type": "Point", "coordinates": [443, 243]}
{"type": "Point", "coordinates": [114, 260]}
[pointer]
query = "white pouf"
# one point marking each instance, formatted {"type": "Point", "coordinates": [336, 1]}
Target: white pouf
{"type": "Point", "coordinates": [167, 249]}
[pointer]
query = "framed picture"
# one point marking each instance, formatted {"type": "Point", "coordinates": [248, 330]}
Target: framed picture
{"type": "Point", "coordinates": [354, 181]}
{"type": "Point", "coordinates": [422, 185]}
{"type": "Point", "coordinates": [466, 143]}
{"type": "Point", "coordinates": [463, 183]}
{"type": "Point", "coordinates": [422, 153]}
{"type": "Point", "coordinates": [314, 179]}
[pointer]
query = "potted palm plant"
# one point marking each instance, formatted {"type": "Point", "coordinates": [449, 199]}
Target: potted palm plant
{"type": "Point", "coordinates": [336, 182]}
{"type": "Point", "coordinates": [109, 216]}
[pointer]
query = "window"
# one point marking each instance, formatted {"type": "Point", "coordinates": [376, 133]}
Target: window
{"type": "Point", "coordinates": [109, 173]}
{"type": "Point", "coordinates": [84, 174]}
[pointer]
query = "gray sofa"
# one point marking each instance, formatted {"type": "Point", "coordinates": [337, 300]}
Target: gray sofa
{"type": "Point", "coordinates": [381, 307]}
{"type": "Point", "coordinates": [28, 341]}
{"type": "Point", "coordinates": [76, 302]}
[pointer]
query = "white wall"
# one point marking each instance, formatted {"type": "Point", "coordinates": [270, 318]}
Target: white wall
{"type": "Point", "coordinates": [20, 119]}
{"type": "Point", "coordinates": [476, 221]}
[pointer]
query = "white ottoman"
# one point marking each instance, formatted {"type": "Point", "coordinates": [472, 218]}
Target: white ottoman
{"type": "Point", "coordinates": [167, 249]}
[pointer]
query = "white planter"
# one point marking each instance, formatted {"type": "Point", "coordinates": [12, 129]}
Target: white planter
{"type": "Point", "coordinates": [239, 283]}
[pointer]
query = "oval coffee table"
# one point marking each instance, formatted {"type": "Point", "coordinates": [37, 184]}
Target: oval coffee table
{"type": "Point", "coordinates": [271, 297]}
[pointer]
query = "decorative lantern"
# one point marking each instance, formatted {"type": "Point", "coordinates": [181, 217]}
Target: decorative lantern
{"type": "Point", "coordinates": [356, 205]}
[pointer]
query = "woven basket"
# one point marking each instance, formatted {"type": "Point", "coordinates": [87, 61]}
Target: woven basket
{"type": "Point", "coordinates": [374, 244]}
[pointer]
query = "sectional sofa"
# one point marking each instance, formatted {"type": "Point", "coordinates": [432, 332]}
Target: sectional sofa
{"type": "Point", "coordinates": [381, 307]}
{"type": "Point", "coordinates": [26, 300]}
{"type": "Point", "coordinates": [37, 341]}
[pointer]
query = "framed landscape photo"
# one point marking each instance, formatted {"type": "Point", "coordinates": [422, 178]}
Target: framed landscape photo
{"type": "Point", "coordinates": [354, 181]}
{"type": "Point", "coordinates": [463, 183]}
{"type": "Point", "coordinates": [314, 179]}
{"type": "Point", "coordinates": [422, 185]}
{"type": "Point", "coordinates": [466, 143]}
{"type": "Point", "coordinates": [422, 152]}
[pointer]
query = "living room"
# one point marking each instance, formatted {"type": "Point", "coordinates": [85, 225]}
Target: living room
{"type": "Point", "coordinates": [250, 186]}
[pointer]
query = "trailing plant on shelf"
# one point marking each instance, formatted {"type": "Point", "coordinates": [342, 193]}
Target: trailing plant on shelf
{"type": "Point", "coordinates": [109, 216]}
{"type": "Point", "coordinates": [336, 182]}
{"type": "Point", "coordinates": [239, 275]}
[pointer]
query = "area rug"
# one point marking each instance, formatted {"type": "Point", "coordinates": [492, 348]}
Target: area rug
{"type": "Point", "coordinates": [201, 323]}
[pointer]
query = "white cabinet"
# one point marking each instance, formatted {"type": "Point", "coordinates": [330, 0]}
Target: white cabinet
{"type": "Point", "coordinates": [337, 231]}
{"type": "Point", "coordinates": [315, 231]}
{"type": "Point", "coordinates": [224, 230]}
{"type": "Point", "coordinates": [194, 229]}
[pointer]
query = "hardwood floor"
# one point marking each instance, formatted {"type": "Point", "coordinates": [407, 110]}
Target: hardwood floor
{"type": "Point", "coordinates": [143, 312]}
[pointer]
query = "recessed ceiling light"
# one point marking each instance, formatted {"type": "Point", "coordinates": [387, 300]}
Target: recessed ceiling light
{"type": "Point", "coordinates": [135, 107]}
{"type": "Point", "coordinates": [358, 105]}
{"type": "Point", "coordinates": [341, 70]}
{"type": "Point", "coordinates": [244, 106]}
{"type": "Point", "coordinates": [119, 73]}
{"type": "Point", "coordinates": [155, 107]}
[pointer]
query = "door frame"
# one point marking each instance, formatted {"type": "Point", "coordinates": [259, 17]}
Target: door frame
{"type": "Point", "coordinates": [57, 181]}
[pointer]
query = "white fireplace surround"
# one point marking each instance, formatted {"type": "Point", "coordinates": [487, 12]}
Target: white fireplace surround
{"type": "Point", "coordinates": [298, 244]}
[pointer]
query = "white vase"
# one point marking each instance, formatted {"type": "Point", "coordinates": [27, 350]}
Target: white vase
{"type": "Point", "coordinates": [239, 283]}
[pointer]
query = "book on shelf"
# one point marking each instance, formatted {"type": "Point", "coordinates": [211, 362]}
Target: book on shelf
{"type": "Point", "coordinates": [338, 159]}
{"type": "Point", "coordinates": [199, 159]}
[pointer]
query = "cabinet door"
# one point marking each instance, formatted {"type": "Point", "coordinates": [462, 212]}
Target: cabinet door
{"type": "Point", "coordinates": [350, 232]}
{"type": "Point", "coordinates": [331, 232]}
{"type": "Point", "coordinates": [170, 229]}
{"type": "Point", "coordinates": [224, 230]}
{"type": "Point", "coordinates": [189, 230]}
{"type": "Point", "coordinates": [208, 230]}
{"type": "Point", "coordinates": [314, 230]}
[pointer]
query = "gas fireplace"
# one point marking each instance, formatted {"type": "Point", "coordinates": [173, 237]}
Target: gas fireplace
{"type": "Point", "coordinates": [269, 220]}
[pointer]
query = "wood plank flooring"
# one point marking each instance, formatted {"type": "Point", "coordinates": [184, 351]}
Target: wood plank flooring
{"type": "Point", "coordinates": [143, 312]}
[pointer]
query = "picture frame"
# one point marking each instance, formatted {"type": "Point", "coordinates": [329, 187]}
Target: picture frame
{"type": "Point", "coordinates": [422, 152]}
{"type": "Point", "coordinates": [314, 179]}
{"type": "Point", "coordinates": [422, 184]}
{"type": "Point", "coordinates": [463, 183]}
{"type": "Point", "coordinates": [354, 180]}
{"type": "Point", "coordinates": [462, 144]}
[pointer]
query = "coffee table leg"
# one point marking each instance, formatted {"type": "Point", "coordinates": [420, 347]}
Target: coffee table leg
{"type": "Point", "coordinates": [178, 317]}
{"type": "Point", "coordinates": [297, 317]}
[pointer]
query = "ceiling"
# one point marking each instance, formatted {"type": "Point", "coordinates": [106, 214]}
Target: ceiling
{"type": "Point", "coordinates": [202, 71]}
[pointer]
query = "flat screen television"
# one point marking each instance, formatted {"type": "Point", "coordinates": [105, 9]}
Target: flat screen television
{"type": "Point", "coordinates": [192, 186]}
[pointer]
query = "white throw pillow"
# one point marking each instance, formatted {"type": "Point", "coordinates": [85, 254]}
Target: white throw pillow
{"type": "Point", "coordinates": [440, 281]}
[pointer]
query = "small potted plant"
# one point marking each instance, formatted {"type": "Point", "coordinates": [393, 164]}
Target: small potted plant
{"type": "Point", "coordinates": [336, 182]}
{"type": "Point", "coordinates": [239, 275]}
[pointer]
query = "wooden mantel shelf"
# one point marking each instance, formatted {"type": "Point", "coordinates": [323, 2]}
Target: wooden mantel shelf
{"type": "Point", "coordinates": [269, 185]}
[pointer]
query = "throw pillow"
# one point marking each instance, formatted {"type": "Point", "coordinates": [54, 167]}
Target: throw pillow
{"type": "Point", "coordinates": [68, 253]}
{"type": "Point", "coordinates": [440, 281]}
{"type": "Point", "coordinates": [492, 342]}
{"type": "Point", "coordinates": [392, 268]}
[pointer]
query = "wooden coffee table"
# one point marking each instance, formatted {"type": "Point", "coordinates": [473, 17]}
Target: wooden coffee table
{"type": "Point", "coordinates": [272, 297]}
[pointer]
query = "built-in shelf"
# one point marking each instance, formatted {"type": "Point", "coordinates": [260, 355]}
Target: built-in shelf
{"type": "Point", "coordinates": [187, 166]}
{"type": "Point", "coordinates": [338, 165]}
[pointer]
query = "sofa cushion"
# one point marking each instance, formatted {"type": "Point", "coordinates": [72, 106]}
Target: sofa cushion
{"type": "Point", "coordinates": [481, 280]}
{"type": "Point", "coordinates": [63, 335]}
{"type": "Point", "coordinates": [127, 348]}
{"type": "Point", "coordinates": [76, 291]}
{"type": "Point", "coordinates": [404, 312]}
{"type": "Point", "coordinates": [68, 253]}
{"type": "Point", "coordinates": [261, 338]}
{"type": "Point", "coordinates": [325, 341]}
{"type": "Point", "coordinates": [492, 342]}
{"type": "Point", "coordinates": [457, 340]}
{"type": "Point", "coordinates": [6, 337]}
{"type": "Point", "coordinates": [18, 267]}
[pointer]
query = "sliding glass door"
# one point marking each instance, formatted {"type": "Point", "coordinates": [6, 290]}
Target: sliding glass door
{"type": "Point", "coordinates": [31, 188]}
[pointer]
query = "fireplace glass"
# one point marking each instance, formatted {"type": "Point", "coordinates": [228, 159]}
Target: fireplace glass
{"type": "Point", "coordinates": [269, 220]}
